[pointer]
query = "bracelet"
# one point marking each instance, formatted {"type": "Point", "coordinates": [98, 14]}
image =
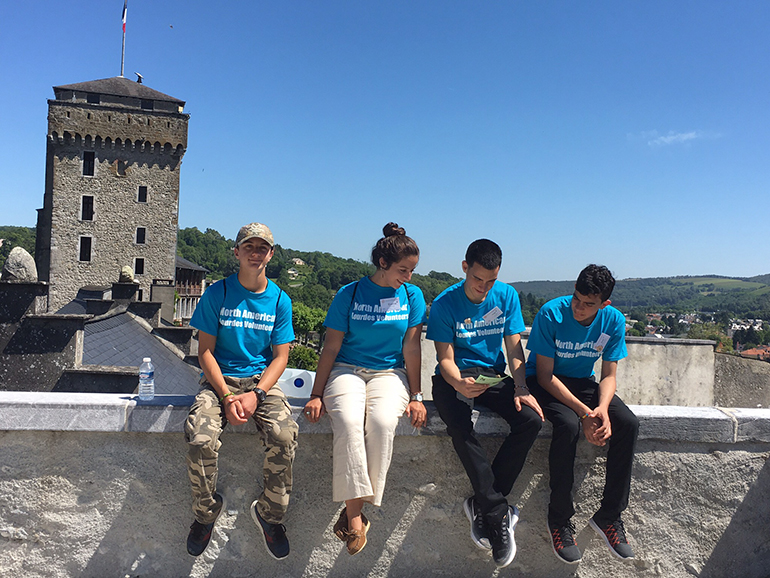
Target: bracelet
{"type": "Point", "coordinates": [582, 417]}
{"type": "Point", "coordinates": [522, 388]}
{"type": "Point", "coordinates": [316, 395]}
{"type": "Point", "coordinates": [222, 399]}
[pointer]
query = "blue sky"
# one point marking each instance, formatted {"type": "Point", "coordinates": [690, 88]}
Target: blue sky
{"type": "Point", "coordinates": [633, 134]}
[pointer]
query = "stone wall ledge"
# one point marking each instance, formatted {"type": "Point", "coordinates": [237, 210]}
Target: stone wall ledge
{"type": "Point", "coordinates": [103, 412]}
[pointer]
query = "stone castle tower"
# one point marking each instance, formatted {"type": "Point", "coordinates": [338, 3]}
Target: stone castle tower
{"type": "Point", "coordinates": [114, 152]}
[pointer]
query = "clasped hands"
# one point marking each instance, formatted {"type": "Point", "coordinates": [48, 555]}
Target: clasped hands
{"type": "Point", "coordinates": [239, 408]}
{"type": "Point", "coordinates": [596, 426]}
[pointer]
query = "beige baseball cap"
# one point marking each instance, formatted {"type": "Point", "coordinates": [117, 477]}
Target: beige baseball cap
{"type": "Point", "coordinates": [254, 231]}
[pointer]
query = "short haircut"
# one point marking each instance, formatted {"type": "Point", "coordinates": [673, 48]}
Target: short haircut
{"type": "Point", "coordinates": [484, 252]}
{"type": "Point", "coordinates": [393, 246]}
{"type": "Point", "coordinates": [595, 280]}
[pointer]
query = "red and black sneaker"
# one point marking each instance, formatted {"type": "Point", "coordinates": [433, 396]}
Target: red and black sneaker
{"type": "Point", "coordinates": [200, 534]}
{"type": "Point", "coordinates": [276, 542]}
{"type": "Point", "coordinates": [563, 542]}
{"type": "Point", "coordinates": [614, 535]}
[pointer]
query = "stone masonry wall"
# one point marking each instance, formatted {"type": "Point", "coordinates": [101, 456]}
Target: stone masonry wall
{"type": "Point", "coordinates": [95, 485]}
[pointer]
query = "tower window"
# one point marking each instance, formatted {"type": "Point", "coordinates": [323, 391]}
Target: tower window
{"type": "Point", "coordinates": [141, 235]}
{"type": "Point", "coordinates": [88, 163]}
{"type": "Point", "coordinates": [122, 168]}
{"type": "Point", "coordinates": [87, 208]}
{"type": "Point", "coordinates": [92, 98]}
{"type": "Point", "coordinates": [148, 104]}
{"type": "Point", "coordinates": [140, 294]}
{"type": "Point", "coordinates": [141, 196]}
{"type": "Point", "coordinates": [139, 266]}
{"type": "Point", "coordinates": [85, 249]}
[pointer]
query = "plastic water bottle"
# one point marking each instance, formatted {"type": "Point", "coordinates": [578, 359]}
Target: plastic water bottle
{"type": "Point", "coordinates": [146, 380]}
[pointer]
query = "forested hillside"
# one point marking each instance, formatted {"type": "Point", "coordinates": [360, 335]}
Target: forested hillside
{"type": "Point", "coordinates": [741, 297]}
{"type": "Point", "coordinates": [313, 281]}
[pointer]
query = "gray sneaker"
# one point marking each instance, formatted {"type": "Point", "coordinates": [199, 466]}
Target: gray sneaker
{"type": "Point", "coordinates": [479, 532]}
{"type": "Point", "coordinates": [563, 543]}
{"type": "Point", "coordinates": [614, 535]}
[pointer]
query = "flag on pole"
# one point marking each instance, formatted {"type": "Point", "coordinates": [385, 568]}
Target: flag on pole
{"type": "Point", "coordinates": [125, 9]}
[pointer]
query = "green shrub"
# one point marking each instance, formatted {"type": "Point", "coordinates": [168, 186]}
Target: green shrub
{"type": "Point", "coordinates": [301, 357]}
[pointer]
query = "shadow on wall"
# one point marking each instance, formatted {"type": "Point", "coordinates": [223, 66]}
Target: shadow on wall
{"type": "Point", "coordinates": [42, 336]}
{"type": "Point", "coordinates": [745, 544]}
{"type": "Point", "coordinates": [144, 514]}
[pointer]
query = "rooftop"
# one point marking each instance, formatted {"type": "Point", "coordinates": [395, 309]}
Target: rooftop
{"type": "Point", "coordinates": [116, 86]}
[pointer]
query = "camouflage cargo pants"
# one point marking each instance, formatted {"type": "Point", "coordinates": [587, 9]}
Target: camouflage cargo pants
{"type": "Point", "coordinates": [278, 432]}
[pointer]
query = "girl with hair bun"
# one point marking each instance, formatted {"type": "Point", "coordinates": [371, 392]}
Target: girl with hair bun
{"type": "Point", "coordinates": [368, 376]}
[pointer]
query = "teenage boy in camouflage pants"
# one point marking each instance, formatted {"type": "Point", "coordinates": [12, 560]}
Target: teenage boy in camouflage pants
{"type": "Point", "coordinates": [245, 327]}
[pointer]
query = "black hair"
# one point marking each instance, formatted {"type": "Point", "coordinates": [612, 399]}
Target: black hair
{"type": "Point", "coordinates": [393, 246]}
{"type": "Point", "coordinates": [484, 252]}
{"type": "Point", "coordinates": [595, 280]}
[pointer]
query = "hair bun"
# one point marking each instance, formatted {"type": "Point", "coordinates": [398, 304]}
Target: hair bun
{"type": "Point", "coordinates": [392, 229]}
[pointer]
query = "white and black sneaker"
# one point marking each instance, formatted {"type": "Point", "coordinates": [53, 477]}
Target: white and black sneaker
{"type": "Point", "coordinates": [501, 537]}
{"type": "Point", "coordinates": [479, 532]}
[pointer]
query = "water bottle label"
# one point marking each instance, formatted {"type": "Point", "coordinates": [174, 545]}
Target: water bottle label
{"type": "Point", "coordinates": [148, 375]}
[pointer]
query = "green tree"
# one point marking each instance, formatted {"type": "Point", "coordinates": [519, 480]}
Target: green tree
{"type": "Point", "coordinates": [301, 357]}
{"type": "Point", "coordinates": [712, 332]}
{"type": "Point", "coordinates": [307, 319]}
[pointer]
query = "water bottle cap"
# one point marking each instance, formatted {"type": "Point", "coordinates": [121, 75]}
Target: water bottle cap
{"type": "Point", "coordinates": [146, 360]}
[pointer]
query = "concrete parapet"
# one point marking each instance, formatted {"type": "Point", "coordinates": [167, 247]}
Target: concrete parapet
{"type": "Point", "coordinates": [94, 485]}
{"type": "Point", "coordinates": [656, 371]}
{"type": "Point", "coordinates": [752, 425]}
{"type": "Point", "coordinates": [108, 412]}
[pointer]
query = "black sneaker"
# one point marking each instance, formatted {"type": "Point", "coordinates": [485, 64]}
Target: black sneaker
{"type": "Point", "coordinates": [614, 535]}
{"type": "Point", "coordinates": [563, 542]}
{"type": "Point", "coordinates": [501, 538]}
{"type": "Point", "coordinates": [276, 542]}
{"type": "Point", "coordinates": [479, 532]}
{"type": "Point", "coordinates": [200, 534]}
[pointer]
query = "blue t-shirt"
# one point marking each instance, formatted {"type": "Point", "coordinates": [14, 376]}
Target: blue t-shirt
{"type": "Point", "coordinates": [476, 330]}
{"type": "Point", "coordinates": [575, 347]}
{"type": "Point", "coordinates": [374, 320]}
{"type": "Point", "coordinates": [246, 324]}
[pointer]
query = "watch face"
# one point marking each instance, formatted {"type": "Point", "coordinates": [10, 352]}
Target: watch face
{"type": "Point", "coordinates": [261, 395]}
{"type": "Point", "coordinates": [417, 397]}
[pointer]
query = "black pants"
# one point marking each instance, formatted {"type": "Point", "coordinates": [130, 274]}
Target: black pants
{"type": "Point", "coordinates": [567, 429]}
{"type": "Point", "coordinates": [491, 482]}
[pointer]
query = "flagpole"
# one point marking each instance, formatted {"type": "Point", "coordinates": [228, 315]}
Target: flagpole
{"type": "Point", "coordinates": [123, 48]}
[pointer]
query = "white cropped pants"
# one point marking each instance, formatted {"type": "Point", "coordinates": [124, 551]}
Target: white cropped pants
{"type": "Point", "coordinates": [364, 406]}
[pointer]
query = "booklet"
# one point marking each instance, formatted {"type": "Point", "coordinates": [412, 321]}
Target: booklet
{"type": "Point", "coordinates": [489, 381]}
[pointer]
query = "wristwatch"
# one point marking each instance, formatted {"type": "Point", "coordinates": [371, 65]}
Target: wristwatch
{"type": "Point", "coordinates": [417, 396]}
{"type": "Point", "coordinates": [261, 395]}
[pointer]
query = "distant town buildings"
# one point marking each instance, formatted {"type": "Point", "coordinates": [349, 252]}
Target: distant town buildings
{"type": "Point", "coordinates": [189, 286]}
